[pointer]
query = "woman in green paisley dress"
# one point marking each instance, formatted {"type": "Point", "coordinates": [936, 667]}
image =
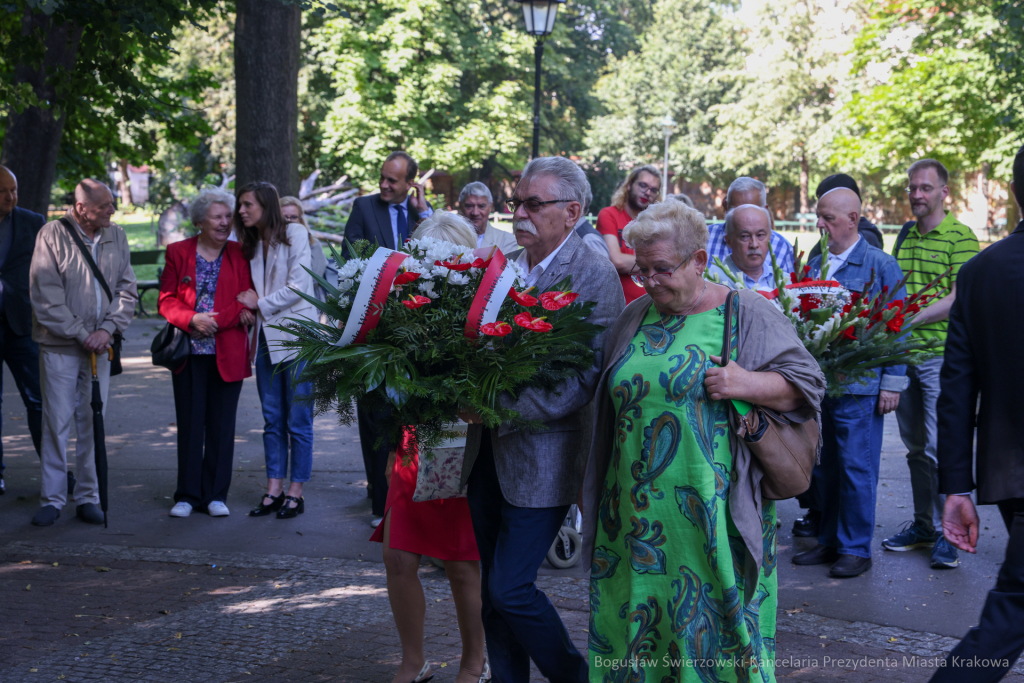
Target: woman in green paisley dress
{"type": "Point", "coordinates": [683, 579]}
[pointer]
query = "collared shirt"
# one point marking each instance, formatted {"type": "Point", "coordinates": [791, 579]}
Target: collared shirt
{"type": "Point", "coordinates": [837, 261]}
{"type": "Point", "coordinates": [925, 257]}
{"type": "Point", "coordinates": [539, 269]}
{"type": "Point", "coordinates": [92, 244]}
{"type": "Point", "coordinates": [393, 212]}
{"type": "Point", "coordinates": [6, 238]}
{"type": "Point", "coordinates": [780, 246]}
{"type": "Point", "coordinates": [480, 240]}
{"type": "Point", "coordinates": [764, 283]}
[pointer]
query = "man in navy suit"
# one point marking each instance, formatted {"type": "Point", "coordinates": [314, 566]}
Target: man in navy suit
{"type": "Point", "coordinates": [387, 219]}
{"type": "Point", "coordinates": [18, 230]}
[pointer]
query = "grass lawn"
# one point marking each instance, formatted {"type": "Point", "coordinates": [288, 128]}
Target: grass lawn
{"type": "Point", "coordinates": [140, 229]}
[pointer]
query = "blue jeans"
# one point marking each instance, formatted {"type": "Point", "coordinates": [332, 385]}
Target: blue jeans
{"type": "Point", "coordinates": [847, 477]}
{"type": "Point", "coordinates": [22, 356]}
{"type": "Point", "coordinates": [284, 417]}
{"type": "Point", "coordinates": [520, 623]}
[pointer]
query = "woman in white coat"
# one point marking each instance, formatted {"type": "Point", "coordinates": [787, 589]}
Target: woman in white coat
{"type": "Point", "coordinates": [278, 254]}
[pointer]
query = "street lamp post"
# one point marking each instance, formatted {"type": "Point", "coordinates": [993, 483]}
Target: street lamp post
{"type": "Point", "coordinates": [668, 126]}
{"type": "Point", "coordinates": [540, 20]}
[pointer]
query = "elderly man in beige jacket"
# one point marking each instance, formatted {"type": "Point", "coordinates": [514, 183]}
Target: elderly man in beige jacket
{"type": "Point", "coordinates": [73, 318]}
{"type": "Point", "coordinates": [476, 204]}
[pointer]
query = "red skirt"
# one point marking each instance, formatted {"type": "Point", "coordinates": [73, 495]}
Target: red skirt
{"type": "Point", "coordinates": [437, 528]}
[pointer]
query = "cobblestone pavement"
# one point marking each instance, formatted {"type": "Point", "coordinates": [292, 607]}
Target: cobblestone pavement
{"type": "Point", "coordinates": [83, 613]}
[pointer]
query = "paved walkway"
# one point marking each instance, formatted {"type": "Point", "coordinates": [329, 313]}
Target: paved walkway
{"type": "Point", "coordinates": [91, 612]}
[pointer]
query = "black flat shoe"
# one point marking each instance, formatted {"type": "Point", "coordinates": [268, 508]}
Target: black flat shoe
{"type": "Point", "coordinates": [287, 511]}
{"type": "Point", "coordinates": [807, 526]}
{"type": "Point", "coordinates": [849, 566]}
{"type": "Point", "coordinates": [819, 554]}
{"type": "Point", "coordinates": [262, 510]}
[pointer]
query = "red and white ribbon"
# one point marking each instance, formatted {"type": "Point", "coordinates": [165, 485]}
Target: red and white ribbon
{"type": "Point", "coordinates": [812, 287]}
{"type": "Point", "coordinates": [373, 290]}
{"type": "Point", "coordinates": [498, 279]}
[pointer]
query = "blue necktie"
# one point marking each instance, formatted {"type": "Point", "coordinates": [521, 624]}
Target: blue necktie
{"type": "Point", "coordinates": [403, 226]}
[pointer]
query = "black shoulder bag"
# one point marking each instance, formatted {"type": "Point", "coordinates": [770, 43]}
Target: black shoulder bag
{"type": "Point", "coordinates": [904, 231]}
{"type": "Point", "coordinates": [115, 364]}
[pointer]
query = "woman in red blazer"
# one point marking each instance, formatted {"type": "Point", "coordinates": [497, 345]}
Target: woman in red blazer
{"type": "Point", "coordinates": [201, 281]}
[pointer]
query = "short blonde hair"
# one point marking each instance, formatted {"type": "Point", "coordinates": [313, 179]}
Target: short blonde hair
{"type": "Point", "coordinates": [670, 221]}
{"type": "Point", "coordinates": [447, 226]}
{"type": "Point", "coordinates": [294, 201]}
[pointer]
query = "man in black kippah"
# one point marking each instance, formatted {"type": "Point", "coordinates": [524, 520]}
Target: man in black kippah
{"type": "Point", "coordinates": [872, 235]}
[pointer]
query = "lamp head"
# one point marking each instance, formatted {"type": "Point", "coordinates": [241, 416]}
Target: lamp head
{"type": "Point", "coordinates": [540, 16]}
{"type": "Point", "coordinates": [668, 125]}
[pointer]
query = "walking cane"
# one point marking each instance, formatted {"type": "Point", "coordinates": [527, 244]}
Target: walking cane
{"type": "Point", "coordinates": [99, 437]}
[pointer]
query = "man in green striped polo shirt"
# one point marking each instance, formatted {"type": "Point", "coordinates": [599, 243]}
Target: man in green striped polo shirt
{"type": "Point", "coordinates": [935, 243]}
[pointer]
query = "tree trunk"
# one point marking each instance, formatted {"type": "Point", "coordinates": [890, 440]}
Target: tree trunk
{"type": "Point", "coordinates": [267, 34]}
{"type": "Point", "coordinates": [805, 175]}
{"type": "Point", "coordinates": [33, 135]}
{"type": "Point", "coordinates": [122, 187]}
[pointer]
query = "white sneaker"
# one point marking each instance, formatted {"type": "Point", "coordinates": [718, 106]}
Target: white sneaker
{"type": "Point", "coordinates": [181, 509]}
{"type": "Point", "coordinates": [375, 522]}
{"type": "Point", "coordinates": [217, 509]}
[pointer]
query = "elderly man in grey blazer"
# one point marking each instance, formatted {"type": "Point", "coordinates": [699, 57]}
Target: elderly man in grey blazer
{"type": "Point", "coordinates": [523, 480]}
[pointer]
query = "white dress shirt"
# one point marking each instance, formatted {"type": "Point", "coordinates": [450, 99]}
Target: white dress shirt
{"type": "Point", "coordinates": [764, 283]}
{"type": "Point", "coordinates": [533, 274]}
{"type": "Point", "coordinates": [837, 261]}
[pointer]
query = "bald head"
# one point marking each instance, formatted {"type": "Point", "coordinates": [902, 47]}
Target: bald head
{"type": "Point", "coordinates": [8, 192]}
{"type": "Point", "coordinates": [94, 205]}
{"type": "Point", "coordinates": [838, 214]}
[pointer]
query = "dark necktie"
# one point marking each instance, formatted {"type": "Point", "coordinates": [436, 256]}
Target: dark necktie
{"type": "Point", "coordinates": [403, 226]}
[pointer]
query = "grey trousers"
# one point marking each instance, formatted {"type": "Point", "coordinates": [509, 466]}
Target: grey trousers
{"type": "Point", "coordinates": [66, 383]}
{"type": "Point", "coordinates": [919, 429]}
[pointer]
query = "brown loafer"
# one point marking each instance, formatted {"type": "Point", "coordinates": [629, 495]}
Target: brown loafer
{"type": "Point", "coordinates": [819, 554]}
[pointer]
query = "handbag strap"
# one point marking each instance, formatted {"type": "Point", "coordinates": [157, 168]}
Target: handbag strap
{"type": "Point", "coordinates": [88, 257]}
{"type": "Point", "coordinates": [727, 335]}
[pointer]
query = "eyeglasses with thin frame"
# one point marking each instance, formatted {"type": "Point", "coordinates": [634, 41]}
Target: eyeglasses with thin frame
{"type": "Point", "coordinates": [647, 189]}
{"type": "Point", "coordinates": [532, 205]}
{"type": "Point", "coordinates": [654, 278]}
{"type": "Point", "coordinates": [927, 189]}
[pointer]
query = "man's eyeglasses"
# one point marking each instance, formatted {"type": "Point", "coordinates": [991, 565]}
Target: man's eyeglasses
{"type": "Point", "coordinates": [924, 188]}
{"type": "Point", "coordinates": [657, 278]}
{"type": "Point", "coordinates": [532, 205]}
{"type": "Point", "coordinates": [647, 189]}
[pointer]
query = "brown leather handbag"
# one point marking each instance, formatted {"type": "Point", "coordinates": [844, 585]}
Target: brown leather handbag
{"type": "Point", "coordinates": [785, 450]}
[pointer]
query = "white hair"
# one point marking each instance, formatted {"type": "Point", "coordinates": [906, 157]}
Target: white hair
{"type": "Point", "coordinates": [746, 184]}
{"type": "Point", "coordinates": [447, 226]}
{"type": "Point", "coordinates": [476, 189]}
{"type": "Point", "coordinates": [668, 221]}
{"type": "Point", "coordinates": [204, 200]}
{"type": "Point", "coordinates": [730, 216]}
{"type": "Point", "coordinates": [570, 181]}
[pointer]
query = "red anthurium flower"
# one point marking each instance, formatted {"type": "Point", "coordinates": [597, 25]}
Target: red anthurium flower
{"type": "Point", "coordinates": [552, 301]}
{"type": "Point", "coordinates": [522, 298]}
{"type": "Point", "coordinates": [498, 329]}
{"type": "Point", "coordinates": [526, 320]}
{"type": "Point", "coordinates": [415, 301]}
{"type": "Point", "coordinates": [458, 267]}
{"type": "Point", "coordinates": [480, 263]}
{"type": "Point", "coordinates": [406, 277]}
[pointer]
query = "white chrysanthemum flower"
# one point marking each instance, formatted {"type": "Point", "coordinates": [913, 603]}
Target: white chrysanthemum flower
{"type": "Point", "coordinates": [345, 300]}
{"type": "Point", "coordinates": [351, 268]}
{"type": "Point", "coordinates": [346, 284]}
{"type": "Point", "coordinates": [458, 278]}
{"type": "Point", "coordinates": [427, 287]}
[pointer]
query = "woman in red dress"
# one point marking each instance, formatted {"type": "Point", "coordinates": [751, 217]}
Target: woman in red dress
{"type": "Point", "coordinates": [436, 528]}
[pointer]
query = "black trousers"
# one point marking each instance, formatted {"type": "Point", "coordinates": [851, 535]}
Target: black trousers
{"type": "Point", "coordinates": [989, 649]}
{"type": "Point", "coordinates": [205, 406]}
{"type": "Point", "coordinates": [22, 356]}
{"type": "Point", "coordinates": [375, 460]}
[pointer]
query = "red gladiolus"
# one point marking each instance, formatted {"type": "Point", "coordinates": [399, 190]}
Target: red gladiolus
{"type": "Point", "coordinates": [854, 298]}
{"type": "Point", "coordinates": [406, 277]}
{"type": "Point", "coordinates": [552, 301]}
{"type": "Point", "coordinates": [522, 298]}
{"type": "Point", "coordinates": [458, 267]}
{"type": "Point", "coordinates": [807, 304]}
{"type": "Point", "coordinates": [848, 334]}
{"type": "Point", "coordinates": [526, 320]}
{"type": "Point", "coordinates": [895, 324]}
{"type": "Point", "coordinates": [498, 329]}
{"type": "Point", "coordinates": [415, 301]}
